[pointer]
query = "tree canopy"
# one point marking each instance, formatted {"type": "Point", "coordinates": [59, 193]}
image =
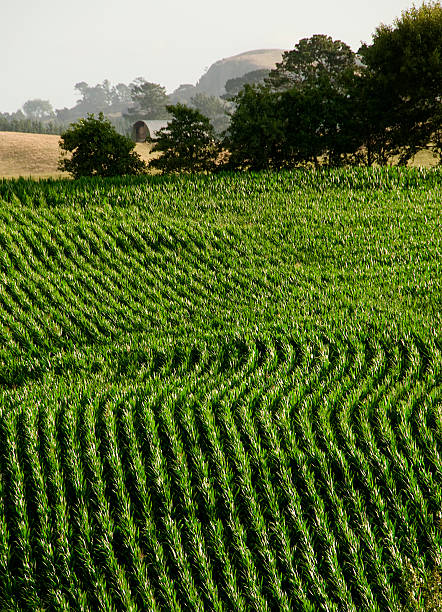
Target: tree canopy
{"type": "Point", "coordinates": [403, 69]}
{"type": "Point", "coordinates": [187, 144]}
{"type": "Point", "coordinates": [96, 149]}
{"type": "Point", "coordinates": [256, 130]}
{"type": "Point", "coordinates": [313, 61]}
{"type": "Point", "coordinates": [149, 100]}
{"type": "Point", "coordinates": [38, 109]}
{"type": "Point", "coordinates": [102, 97]}
{"type": "Point", "coordinates": [324, 105]}
{"type": "Point", "coordinates": [254, 77]}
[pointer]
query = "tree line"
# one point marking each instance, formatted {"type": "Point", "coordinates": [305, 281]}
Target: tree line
{"type": "Point", "coordinates": [122, 104]}
{"type": "Point", "coordinates": [323, 104]}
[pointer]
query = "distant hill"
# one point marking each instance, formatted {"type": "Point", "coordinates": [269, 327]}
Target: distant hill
{"type": "Point", "coordinates": [213, 81]}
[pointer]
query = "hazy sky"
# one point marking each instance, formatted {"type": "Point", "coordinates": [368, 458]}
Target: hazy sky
{"type": "Point", "coordinates": [46, 46]}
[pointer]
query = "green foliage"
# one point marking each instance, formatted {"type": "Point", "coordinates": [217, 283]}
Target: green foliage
{"type": "Point", "coordinates": [404, 71]}
{"type": "Point", "coordinates": [254, 77]}
{"type": "Point", "coordinates": [313, 62]}
{"type": "Point", "coordinates": [256, 130]}
{"type": "Point", "coordinates": [221, 392]}
{"type": "Point", "coordinates": [321, 107]}
{"type": "Point", "coordinates": [38, 109]}
{"type": "Point", "coordinates": [17, 122]}
{"type": "Point", "coordinates": [149, 100]}
{"type": "Point", "coordinates": [298, 127]}
{"type": "Point", "coordinates": [102, 97]}
{"type": "Point", "coordinates": [187, 144]}
{"type": "Point", "coordinates": [305, 114]}
{"type": "Point", "coordinates": [97, 149]}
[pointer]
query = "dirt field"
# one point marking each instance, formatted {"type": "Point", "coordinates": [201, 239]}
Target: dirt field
{"type": "Point", "coordinates": [37, 155]}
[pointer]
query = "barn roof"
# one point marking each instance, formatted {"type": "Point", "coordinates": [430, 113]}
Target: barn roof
{"type": "Point", "coordinates": [154, 125]}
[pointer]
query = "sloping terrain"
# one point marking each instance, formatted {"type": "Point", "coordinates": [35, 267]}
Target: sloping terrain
{"type": "Point", "coordinates": [213, 81]}
{"type": "Point", "coordinates": [221, 392]}
{"type": "Point", "coordinates": [28, 155]}
{"type": "Point", "coordinates": [37, 155]}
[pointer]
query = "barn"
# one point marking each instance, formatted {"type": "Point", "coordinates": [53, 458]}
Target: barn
{"type": "Point", "coordinates": [146, 129]}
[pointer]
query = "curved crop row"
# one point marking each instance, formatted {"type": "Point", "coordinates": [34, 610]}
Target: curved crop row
{"type": "Point", "coordinates": [221, 393]}
{"type": "Point", "coordinates": [286, 477]}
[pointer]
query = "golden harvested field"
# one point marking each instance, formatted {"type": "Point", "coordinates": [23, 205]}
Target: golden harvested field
{"type": "Point", "coordinates": [37, 155]}
{"type": "Point", "coordinates": [33, 155]}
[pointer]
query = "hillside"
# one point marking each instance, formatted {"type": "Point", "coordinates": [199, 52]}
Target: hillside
{"type": "Point", "coordinates": [213, 81]}
{"type": "Point", "coordinates": [36, 155]}
{"type": "Point", "coordinates": [24, 154]}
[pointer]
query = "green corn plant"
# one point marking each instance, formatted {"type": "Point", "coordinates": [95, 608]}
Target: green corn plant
{"type": "Point", "coordinates": [224, 480]}
{"type": "Point", "coordinates": [140, 498]}
{"type": "Point", "coordinates": [293, 503]}
{"type": "Point", "coordinates": [124, 524]}
{"type": "Point", "coordinates": [99, 509]}
{"type": "Point", "coordinates": [193, 532]}
{"type": "Point", "coordinates": [91, 580]}
{"type": "Point", "coordinates": [56, 498]}
{"type": "Point", "coordinates": [6, 596]}
{"type": "Point", "coordinates": [257, 523]}
{"type": "Point", "coordinates": [21, 555]}
{"type": "Point", "coordinates": [35, 490]}
{"type": "Point", "coordinates": [277, 524]}
{"type": "Point", "coordinates": [213, 526]}
{"type": "Point", "coordinates": [161, 483]}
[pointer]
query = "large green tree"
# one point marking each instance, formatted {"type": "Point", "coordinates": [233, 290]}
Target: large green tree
{"type": "Point", "coordinates": [92, 147]}
{"type": "Point", "coordinates": [303, 113]}
{"type": "Point", "coordinates": [403, 76]}
{"type": "Point", "coordinates": [256, 132]}
{"type": "Point", "coordinates": [313, 61]}
{"type": "Point", "coordinates": [187, 144]}
{"type": "Point", "coordinates": [295, 127]}
{"type": "Point", "coordinates": [314, 81]}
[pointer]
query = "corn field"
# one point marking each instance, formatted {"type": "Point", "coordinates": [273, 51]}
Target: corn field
{"type": "Point", "coordinates": [222, 392]}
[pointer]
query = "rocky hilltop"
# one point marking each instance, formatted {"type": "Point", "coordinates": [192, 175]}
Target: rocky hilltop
{"type": "Point", "coordinates": [213, 81]}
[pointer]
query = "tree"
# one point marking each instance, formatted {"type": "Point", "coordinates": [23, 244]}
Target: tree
{"type": "Point", "coordinates": [314, 81]}
{"type": "Point", "coordinates": [94, 99]}
{"type": "Point", "coordinates": [38, 109]}
{"type": "Point", "coordinates": [214, 108]}
{"type": "Point", "coordinates": [103, 97]}
{"type": "Point", "coordinates": [149, 100]}
{"type": "Point", "coordinates": [209, 106]}
{"type": "Point", "coordinates": [98, 150]}
{"type": "Point", "coordinates": [312, 62]}
{"type": "Point", "coordinates": [120, 97]}
{"type": "Point", "coordinates": [100, 98]}
{"type": "Point", "coordinates": [182, 94]}
{"type": "Point", "coordinates": [257, 131]}
{"type": "Point", "coordinates": [371, 110]}
{"type": "Point", "coordinates": [308, 125]}
{"type": "Point", "coordinates": [187, 144]}
{"type": "Point", "coordinates": [403, 72]}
